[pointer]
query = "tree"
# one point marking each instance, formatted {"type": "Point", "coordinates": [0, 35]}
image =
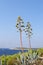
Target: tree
{"type": "Point", "coordinates": [28, 31]}
{"type": "Point", "coordinates": [19, 26]}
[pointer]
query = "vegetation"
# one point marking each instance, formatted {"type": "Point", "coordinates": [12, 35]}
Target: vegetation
{"type": "Point", "coordinates": [40, 52]}
{"type": "Point", "coordinates": [19, 26]}
{"type": "Point", "coordinates": [28, 31]}
{"type": "Point", "coordinates": [25, 58]}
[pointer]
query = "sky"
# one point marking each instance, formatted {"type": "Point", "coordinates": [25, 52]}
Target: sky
{"type": "Point", "coordinates": [29, 10]}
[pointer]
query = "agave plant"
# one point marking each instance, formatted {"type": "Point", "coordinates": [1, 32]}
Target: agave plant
{"type": "Point", "coordinates": [33, 56]}
{"type": "Point", "coordinates": [20, 26]}
{"type": "Point", "coordinates": [28, 31]}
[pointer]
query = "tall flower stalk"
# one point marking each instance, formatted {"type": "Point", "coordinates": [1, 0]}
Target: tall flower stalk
{"type": "Point", "coordinates": [19, 26]}
{"type": "Point", "coordinates": [28, 31]}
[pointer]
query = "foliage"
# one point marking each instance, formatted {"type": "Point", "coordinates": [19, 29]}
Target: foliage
{"type": "Point", "coordinates": [19, 24]}
{"type": "Point", "coordinates": [28, 29]}
{"type": "Point", "coordinates": [30, 56]}
{"type": "Point", "coordinates": [40, 51]}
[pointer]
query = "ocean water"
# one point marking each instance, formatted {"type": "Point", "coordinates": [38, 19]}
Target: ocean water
{"type": "Point", "coordinates": [9, 51]}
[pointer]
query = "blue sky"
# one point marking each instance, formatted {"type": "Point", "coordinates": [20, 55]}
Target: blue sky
{"type": "Point", "coordinates": [29, 10]}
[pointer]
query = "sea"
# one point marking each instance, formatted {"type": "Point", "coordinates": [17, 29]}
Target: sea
{"type": "Point", "coordinates": [7, 51]}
